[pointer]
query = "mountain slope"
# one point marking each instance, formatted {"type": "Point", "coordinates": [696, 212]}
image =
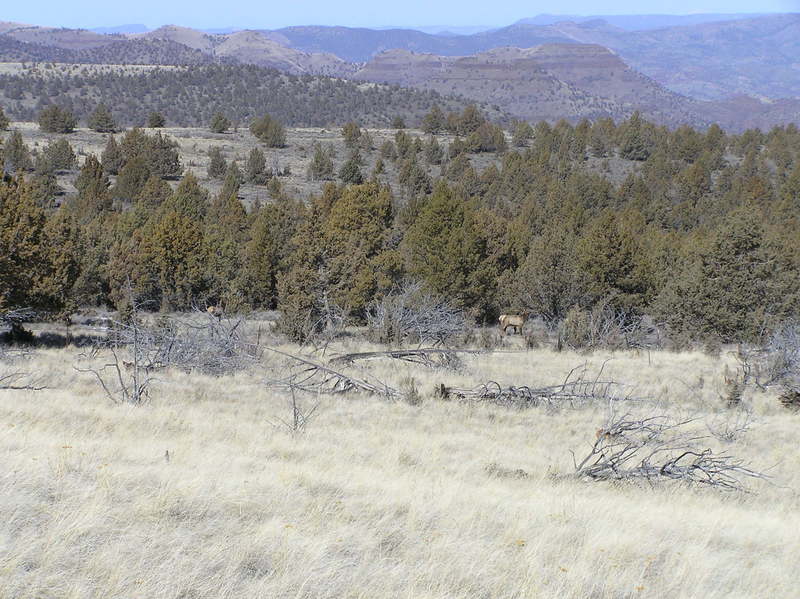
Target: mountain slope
{"type": "Point", "coordinates": [547, 82]}
{"type": "Point", "coordinates": [756, 56]}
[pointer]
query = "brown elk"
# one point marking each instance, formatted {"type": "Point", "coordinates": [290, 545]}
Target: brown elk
{"type": "Point", "coordinates": [216, 311]}
{"type": "Point", "coordinates": [513, 320]}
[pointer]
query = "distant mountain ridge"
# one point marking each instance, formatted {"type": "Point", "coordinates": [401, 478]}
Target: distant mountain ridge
{"type": "Point", "coordinates": [568, 70]}
{"type": "Point", "coordinates": [641, 22]}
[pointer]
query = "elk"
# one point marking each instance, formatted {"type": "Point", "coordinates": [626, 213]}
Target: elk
{"type": "Point", "coordinates": [216, 311]}
{"type": "Point", "coordinates": [513, 320]}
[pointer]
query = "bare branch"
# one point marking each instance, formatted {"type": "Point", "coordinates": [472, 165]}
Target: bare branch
{"type": "Point", "coordinates": [660, 448]}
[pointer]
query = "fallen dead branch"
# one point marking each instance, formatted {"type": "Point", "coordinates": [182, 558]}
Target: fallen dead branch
{"type": "Point", "coordinates": [20, 381]}
{"type": "Point", "coordinates": [311, 377]}
{"type": "Point", "coordinates": [576, 389]}
{"type": "Point", "coordinates": [660, 448]}
{"type": "Point", "coordinates": [447, 359]}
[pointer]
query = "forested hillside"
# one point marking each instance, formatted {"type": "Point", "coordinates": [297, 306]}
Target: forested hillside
{"type": "Point", "coordinates": [695, 232]}
{"type": "Point", "coordinates": [190, 97]}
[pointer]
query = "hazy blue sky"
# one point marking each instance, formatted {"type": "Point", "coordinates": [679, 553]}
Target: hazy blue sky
{"type": "Point", "coordinates": [271, 14]}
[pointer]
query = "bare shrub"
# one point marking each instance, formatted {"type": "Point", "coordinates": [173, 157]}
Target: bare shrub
{"type": "Point", "coordinates": [660, 448]}
{"type": "Point", "coordinates": [605, 327]}
{"type": "Point", "coordinates": [731, 425]}
{"type": "Point", "coordinates": [411, 315]}
{"type": "Point", "coordinates": [300, 416]}
{"type": "Point", "coordinates": [776, 363]}
{"type": "Point", "coordinates": [214, 345]}
{"type": "Point", "coordinates": [779, 362]}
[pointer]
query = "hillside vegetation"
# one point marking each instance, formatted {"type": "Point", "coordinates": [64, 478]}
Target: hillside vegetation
{"type": "Point", "coordinates": [627, 224]}
{"type": "Point", "coordinates": [190, 97]}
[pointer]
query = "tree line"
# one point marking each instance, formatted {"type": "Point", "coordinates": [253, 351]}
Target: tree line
{"type": "Point", "coordinates": [696, 230]}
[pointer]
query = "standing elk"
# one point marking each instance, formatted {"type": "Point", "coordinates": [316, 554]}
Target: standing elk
{"type": "Point", "coordinates": [513, 320]}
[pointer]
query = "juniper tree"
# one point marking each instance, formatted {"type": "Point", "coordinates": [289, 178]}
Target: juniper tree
{"type": "Point", "coordinates": [217, 166]}
{"type": "Point", "coordinates": [101, 120]}
{"type": "Point", "coordinates": [16, 155]}
{"type": "Point", "coordinates": [256, 168]}
{"type": "Point", "coordinates": [54, 119]}
{"type": "Point", "coordinates": [269, 131]}
{"type": "Point", "coordinates": [219, 123]}
{"type": "Point", "coordinates": [112, 157]}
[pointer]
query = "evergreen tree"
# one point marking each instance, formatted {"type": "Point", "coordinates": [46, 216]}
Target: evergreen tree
{"type": "Point", "coordinates": [112, 157]}
{"type": "Point", "coordinates": [321, 167]}
{"type": "Point", "coordinates": [355, 233]}
{"type": "Point", "coordinates": [446, 249]}
{"type": "Point", "coordinates": [350, 173]}
{"type": "Point", "coordinates": [189, 199]}
{"type": "Point", "coordinates": [267, 253]}
{"type": "Point", "coordinates": [612, 260]}
{"type": "Point", "coordinates": [59, 155]}
{"type": "Point", "coordinates": [154, 193]}
{"type": "Point", "coordinates": [16, 155]}
{"type": "Point", "coordinates": [53, 119]}
{"type": "Point", "coordinates": [4, 122]}
{"type": "Point", "coordinates": [270, 131]}
{"type": "Point", "coordinates": [217, 166]}
{"type": "Point", "coordinates": [301, 287]}
{"type": "Point", "coordinates": [522, 134]}
{"type": "Point", "coordinates": [174, 258]}
{"type": "Point", "coordinates": [398, 123]}
{"type": "Point", "coordinates": [550, 281]}
{"type": "Point", "coordinates": [434, 154]}
{"type": "Point", "coordinates": [351, 133]}
{"type": "Point", "coordinates": [23, 254]}
{"type": "Point", "coordinates": [635, 142]}
{"type": "Point", "coordinates": [256, 169]}
{"type": "Point", "coordinates": [434, 122]}
{"type": "Point", "coordinates": [164, 159]}
{"type": "Point", "coordinates": [101, 120]}
{"type": "Point", "coordinates": [219, 123]}
{"type": "Point", "coordinates": [734, 289]}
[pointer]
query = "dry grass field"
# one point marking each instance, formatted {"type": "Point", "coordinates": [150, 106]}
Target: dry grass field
{"type": "Point", "coordinates": [203, 493]}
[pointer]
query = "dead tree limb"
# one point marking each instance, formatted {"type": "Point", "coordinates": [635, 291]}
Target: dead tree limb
{"type": "Point", "coordinates": [660, 448]}
{"type": "Point", "coordinates": [576, 389]}
{"type": "Point", "coordinates": [429, 357]}
{"type": "Point", "coordinates": [20, 381]}
{"type": "Point", "coordinates": [311, 377]}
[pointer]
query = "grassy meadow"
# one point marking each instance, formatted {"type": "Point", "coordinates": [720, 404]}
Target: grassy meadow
{"type": "Point", "coordinates": [204, 493]}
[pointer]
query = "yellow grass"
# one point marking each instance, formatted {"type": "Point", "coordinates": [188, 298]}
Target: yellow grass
{"type": "Point", "coordinates": [377, 499]}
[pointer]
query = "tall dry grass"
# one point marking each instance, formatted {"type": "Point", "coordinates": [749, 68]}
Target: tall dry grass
{"type": "Point", "coordinates": [378, 499]}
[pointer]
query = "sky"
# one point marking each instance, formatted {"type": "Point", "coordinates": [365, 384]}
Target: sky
{"type": "Point", "coordinates": [269, 14]}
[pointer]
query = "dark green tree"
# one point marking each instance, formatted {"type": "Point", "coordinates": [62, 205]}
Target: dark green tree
{"type": "Point", "coordinates": [16, 155]}
{"type": "Point", "coordinates": [112, 157]}
{"type": "Point", "coordinates": [219, 123]}
{"type": "Point", "coordinates": [101, 120]}
{"type": "Point", "coordinates": [53, 119]}
{"type": "Point", "coordinates": [256, 168]}
{"type": "Point", "coordinates": [217, 166]}
{"type": "Point", "coordinates": [350, 173]}
{"type": "Point", "coordinates": [269, 131]}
